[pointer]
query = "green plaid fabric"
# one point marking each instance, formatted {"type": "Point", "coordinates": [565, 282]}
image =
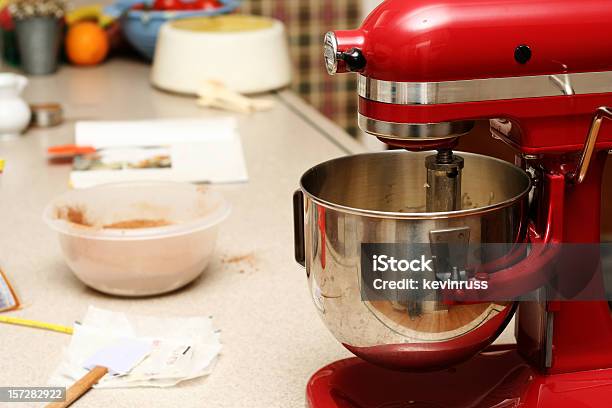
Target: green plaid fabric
{"type": "Point", "coordinates": [307, 22]}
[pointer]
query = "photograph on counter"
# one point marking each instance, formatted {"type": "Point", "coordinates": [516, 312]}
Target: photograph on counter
{"type": "Point", "coordinates": [125, 158]}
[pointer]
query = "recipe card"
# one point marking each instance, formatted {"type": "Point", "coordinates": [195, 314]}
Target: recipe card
{"type": "Point", "coordinates": [188, 150]}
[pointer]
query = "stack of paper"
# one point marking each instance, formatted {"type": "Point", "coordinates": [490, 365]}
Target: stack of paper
{"type": "Point", "coordinates": [182, 349]}
{"type": "Point", "coordinates": [189, 150]}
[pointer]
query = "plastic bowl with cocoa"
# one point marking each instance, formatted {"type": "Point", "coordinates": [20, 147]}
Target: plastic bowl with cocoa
{"type": "Point", "coordinates": [138, 238]}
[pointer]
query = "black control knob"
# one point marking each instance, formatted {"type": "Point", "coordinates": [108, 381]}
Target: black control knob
{"type": "Point", "coordinates": [522, 54]}
{"type": "Point", "coordinates": [354, 59]}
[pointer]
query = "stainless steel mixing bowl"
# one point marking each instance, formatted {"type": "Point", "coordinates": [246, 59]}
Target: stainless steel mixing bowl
{"type": "Point", "coordinates": [381, 198]}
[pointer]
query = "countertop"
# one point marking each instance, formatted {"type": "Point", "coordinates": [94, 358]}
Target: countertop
{"type": "Point", "coordinates": [272, 337]}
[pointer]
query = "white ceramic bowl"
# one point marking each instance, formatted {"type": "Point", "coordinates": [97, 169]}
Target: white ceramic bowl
{"type": "Point", "coordinates": [248, 54]}
{"type": "Point", "coordinates": [137, 262]}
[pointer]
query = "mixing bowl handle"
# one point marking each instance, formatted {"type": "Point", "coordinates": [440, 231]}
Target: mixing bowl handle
{"type": "Point", "coordinates": [534, 270]}
{"type": "Point", "coordinates": [527, 275]}
{"type": "Point", "coordinates": [298, 228]}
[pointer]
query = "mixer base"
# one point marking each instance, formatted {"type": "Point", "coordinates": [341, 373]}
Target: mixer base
{"type": "Point", "coordinates": [500, 379]}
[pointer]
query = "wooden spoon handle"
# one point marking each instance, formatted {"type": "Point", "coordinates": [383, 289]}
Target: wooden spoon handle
{"type": "Point", "coordinates": [80, 387]}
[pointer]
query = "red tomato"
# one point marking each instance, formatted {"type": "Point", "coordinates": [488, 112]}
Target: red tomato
{"type": "Point", "coordinates": [168, 5]}
{"type": "Point", "coordinates": [189, 5]}
{"type": "Point", "coordinates": [207, 4]}
{"type": "Point", "coordinates": [211, 4]}
{"type": "Point", "coordinates": [6, 20]}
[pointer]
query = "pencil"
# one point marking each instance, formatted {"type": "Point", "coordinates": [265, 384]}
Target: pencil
{"type": "Point", "coordinates": [37, 325]}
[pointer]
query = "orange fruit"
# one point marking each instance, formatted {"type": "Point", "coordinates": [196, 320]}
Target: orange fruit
{"type": "Point", "coordinates": [86, 43]}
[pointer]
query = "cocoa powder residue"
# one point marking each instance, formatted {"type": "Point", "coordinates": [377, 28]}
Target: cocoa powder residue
{"type": "Point", "coordinates": [76, 216]}
{"type": "Point", "coordinates": [138, 224]}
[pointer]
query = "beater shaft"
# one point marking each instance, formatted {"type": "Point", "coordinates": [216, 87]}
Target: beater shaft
{"type": "Point", "coordinates": [444, 181]}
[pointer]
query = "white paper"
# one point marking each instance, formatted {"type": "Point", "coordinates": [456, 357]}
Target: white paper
{"type": "Point", "coordinates": [121, 356]}
{"type": "Point", "coordinates": [180, 349]}
{"type": "Point", "coordinates": [200, 150]}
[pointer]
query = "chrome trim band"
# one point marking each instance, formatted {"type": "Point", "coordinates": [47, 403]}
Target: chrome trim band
{"type": "Point", "coordinates": [415, 131]}
{"type": "Point", "coordinates": [479, 90]}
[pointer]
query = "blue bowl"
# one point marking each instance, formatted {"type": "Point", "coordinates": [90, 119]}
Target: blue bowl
{"type": "Point", "coordinates": [141, 27]}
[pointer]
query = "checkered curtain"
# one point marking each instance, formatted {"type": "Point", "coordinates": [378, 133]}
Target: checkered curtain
{"type": "Point", "coordinates": [307, 22]}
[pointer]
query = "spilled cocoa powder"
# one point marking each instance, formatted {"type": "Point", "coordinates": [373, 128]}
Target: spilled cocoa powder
{"type": "Point", "coordinates": [249, 260]}
{"type": "Point", "coordinates": [76, 216]}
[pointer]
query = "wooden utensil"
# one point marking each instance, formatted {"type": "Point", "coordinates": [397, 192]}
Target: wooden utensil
{"type": "Point", "coordinates": [117, 359]}
{"type": "Point", "coordinates": [80, 387]}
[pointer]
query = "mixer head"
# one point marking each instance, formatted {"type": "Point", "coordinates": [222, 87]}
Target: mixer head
{"type": "Point", "coordinates": [427, 70]}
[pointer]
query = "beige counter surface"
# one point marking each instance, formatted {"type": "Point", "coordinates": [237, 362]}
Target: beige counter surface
{"type": "Point", "coordinates": [273, 340]}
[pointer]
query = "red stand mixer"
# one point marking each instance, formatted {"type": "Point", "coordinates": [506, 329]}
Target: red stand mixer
{"type": "Point", "coordinates": [541, 72]}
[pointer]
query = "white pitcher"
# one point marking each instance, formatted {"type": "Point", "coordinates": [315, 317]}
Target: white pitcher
{"type": "Point", "coordinates": [14, 111]}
